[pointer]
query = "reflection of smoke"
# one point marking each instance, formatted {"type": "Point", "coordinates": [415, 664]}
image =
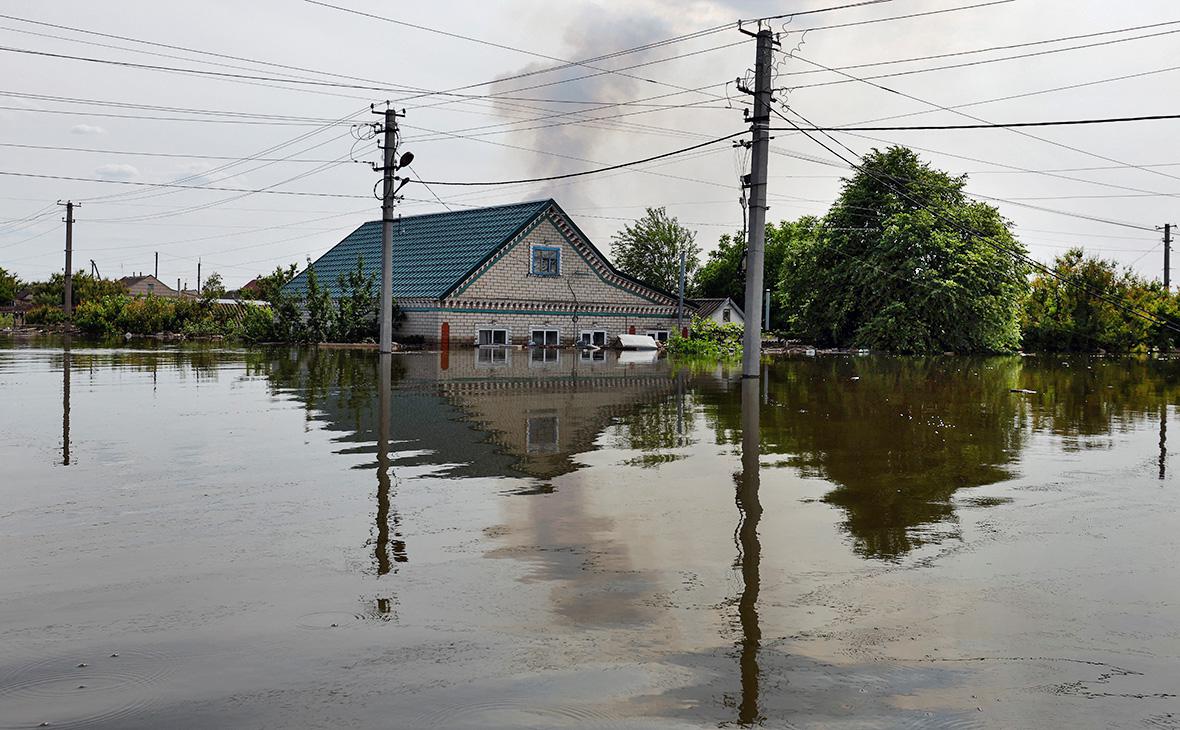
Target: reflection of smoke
{"type": "Point", "coordinates": [598, 141]}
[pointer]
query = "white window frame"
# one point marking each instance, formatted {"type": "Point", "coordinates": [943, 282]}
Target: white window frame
{"type": "Point", "coordinates": [533, 259]}
{"type": "Point", "coordinates": [654, 334]}
{"type": "Point", "coordinates": [507, 336]}
{"type": "Point", "coordinates": [546, 330]}
{"type": "Point", "coordinates": [583, 333]}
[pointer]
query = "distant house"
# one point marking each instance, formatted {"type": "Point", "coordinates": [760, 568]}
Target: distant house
{"type": "Point", "coordinates": [721, 311]}
{"type": "Point", "coordinates": [147, 286]}
{"type": "Point", "coordinates": [510, 274]}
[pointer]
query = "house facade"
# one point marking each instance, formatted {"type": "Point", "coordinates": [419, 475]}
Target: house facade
{"type": "Point", "coordinates": [506, 275]}
{"type": "Point", "coordinates": [147, 286]}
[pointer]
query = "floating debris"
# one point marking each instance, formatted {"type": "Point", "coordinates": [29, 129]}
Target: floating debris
{"type": "Point", "coordinates": [1024, 391]}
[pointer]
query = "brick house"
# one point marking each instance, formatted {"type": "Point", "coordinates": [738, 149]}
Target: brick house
{"type": "Point", "coordinates": [147, 286]}
{"type": "Point", "coordinates": [505, 275]}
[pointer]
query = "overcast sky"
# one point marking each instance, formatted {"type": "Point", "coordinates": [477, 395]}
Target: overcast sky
{"type": "Point", "coordinates": [524, 127]}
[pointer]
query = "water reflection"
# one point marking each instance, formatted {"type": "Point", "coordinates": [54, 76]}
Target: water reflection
{"type": "Point", "coordinates": [65, 402]}
{"type": "Point", "coordinates": [749, 553]}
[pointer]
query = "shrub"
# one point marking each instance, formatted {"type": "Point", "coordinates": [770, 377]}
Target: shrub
{"type": "Point", "coordinates": [100, 316]}
{"type": "Point", "coordinates": [45, 314]}
{"type": "Point", "coordinates": [706, 338]}
{"type": "Point", "coordinates": [7, 321]}
{"type": "Point", "coordinates": [258, 325]}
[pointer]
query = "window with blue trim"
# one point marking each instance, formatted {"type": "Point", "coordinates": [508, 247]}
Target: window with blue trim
{"type": "Point", "coordinates": [546, 261]}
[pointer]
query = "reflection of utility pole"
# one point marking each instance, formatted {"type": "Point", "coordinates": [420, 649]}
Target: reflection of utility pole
{"type": "Point", "coordinates": [384, 404]}
{"type": "Point", "coordinates": [65, 403]}
{"type": "Point", "coordinates": [749, 554]}
{"type": "Point", "coordinates": [1163, 439]}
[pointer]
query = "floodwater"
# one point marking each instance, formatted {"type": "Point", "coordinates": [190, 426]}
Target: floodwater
{"type": "Point", "coordinates": [220, 538]}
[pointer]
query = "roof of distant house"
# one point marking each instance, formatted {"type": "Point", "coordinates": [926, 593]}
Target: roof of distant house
{"type": "Point", "coordinates": [706, 307]}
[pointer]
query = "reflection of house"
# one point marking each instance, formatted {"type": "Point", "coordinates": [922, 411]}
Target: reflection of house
{"type": "Point", "coordinates": [511, 274]}
{"type": "Point", "coordinates": [147, 286]}
{"type": "Point", "coordinates": [721, 311]}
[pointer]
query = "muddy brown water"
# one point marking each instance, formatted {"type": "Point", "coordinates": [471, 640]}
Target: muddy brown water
{"type": "Point", "coordinates": [222, 538]}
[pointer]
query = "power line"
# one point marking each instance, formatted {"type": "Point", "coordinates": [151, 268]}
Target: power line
{"type": "Point", "coordinates": [1015, 253]}
{"type": "Point", "coordinates": [586, 172]}
{"type": "Point", "coordinates": [988, 125]}
{"type": "Point", "coordinates": [981, 62]}
{"type": "Point", "coordinates": [179, 186]}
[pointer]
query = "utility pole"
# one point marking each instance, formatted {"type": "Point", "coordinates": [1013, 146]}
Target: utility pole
{"type": "Point", "coordinates": [389, 188]}
{"type": "Point", "coordinates": [680, 307]}
{"type": "Point", "coordinates": [68, 296]}
{"type": "Point", "coordinates": [766, 308]}
{"type": "Point", "coordinates": [156, 274]}
{"type": "Point", "coordinates": [760, 125]}
{"type": "Point", "coordinates": [198, 276]}
{"type": "Point", "coordinates": [1168, 257]}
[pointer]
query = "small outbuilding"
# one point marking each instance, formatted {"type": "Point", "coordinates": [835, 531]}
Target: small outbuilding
{"type": "Point", "coordinates": [721, 311]}
{"type": "Point", "coordinates": [505, 275]}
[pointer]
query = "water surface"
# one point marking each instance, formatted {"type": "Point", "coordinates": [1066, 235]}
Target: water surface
{"type": "Point", "coordinates": [303, 538]}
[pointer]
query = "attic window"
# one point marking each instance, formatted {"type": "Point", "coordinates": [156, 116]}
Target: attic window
{"type": "Point", "coordinates": [546, 261]}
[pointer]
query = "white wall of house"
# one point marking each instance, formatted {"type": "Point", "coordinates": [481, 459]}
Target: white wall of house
{"type": "Point", "coordinates": [734, 314]}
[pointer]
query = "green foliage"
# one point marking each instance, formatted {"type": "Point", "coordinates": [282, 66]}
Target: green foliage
{"type": "Point", "coordinates": [1064, 315]}
{"type": "Point", "coordinates": [356, 313]}
{"type": "Point", "coordinates": [708, 339]}
{"type": "Point", "coordinates": [721, 274]}
{"type": "Point", "coordinates": [270, 286]}
{"type": "Point", "coordinates": [9, 285]}
{"type": "Point", "coordinates": [212, 287]}
{"type": "Point", "coordinates": [649, 250]}
{"type": "Point", "coordinates": [896, 265]}
{"type": "Point", "coordinates": [258, 325]}
{"type": "Point", "coordinates": [115, 315]}
{"type": "Point", "coordinates": [7, 321]}
{"type": "Point", "coordinates": [314, 318]}
{"type": "Point", "coordinates": [45, 314]}
{"type": "Point", "coordinates": [84, 288]}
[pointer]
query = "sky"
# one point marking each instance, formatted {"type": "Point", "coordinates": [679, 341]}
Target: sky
{"type": "Point", "coordinates": [264, 95]}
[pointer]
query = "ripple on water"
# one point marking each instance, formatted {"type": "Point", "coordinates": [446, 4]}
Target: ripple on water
{"type": "Point", "coordinates": [80, 691]}
{"type": "Point", "coordinates": [515, 712]}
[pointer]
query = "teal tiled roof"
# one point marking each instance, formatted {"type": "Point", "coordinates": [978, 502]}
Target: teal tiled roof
{"type": "Point", "coordinates": [431, 253]}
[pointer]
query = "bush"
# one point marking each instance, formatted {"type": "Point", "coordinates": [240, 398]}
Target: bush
{"type": "Point", "coordinates": [99, 316]}
{"type": "Point", "coordinates": [7, 321]}
{"type": "Point", "coordinates": [45, 314]}
{"type": "Point", "coordinates": [706, 338]}
{"type": "Point", "coordinates": [258, 325]}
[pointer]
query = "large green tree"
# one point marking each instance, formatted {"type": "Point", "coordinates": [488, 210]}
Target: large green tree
{"type": "Point", "coordinates": [905, 262]}
{"type": "Point", "coordinates": [649, 249]}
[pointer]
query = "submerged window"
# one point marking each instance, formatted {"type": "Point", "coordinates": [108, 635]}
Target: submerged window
{"type": "Point", "coordinates": [546, 261]}
{"type": "Point", "coordinates": [545, 338]}
{"type": "Point", "coordinates": [658, 335]}
{"type": "Point", "coordinates": [597, 338]}
{"type": "Point", "coordinates": [544, 355]}
{"type": "Point", "coordinates": [492, 337]}
{"type": "Point", "coordinates": [492, 356]}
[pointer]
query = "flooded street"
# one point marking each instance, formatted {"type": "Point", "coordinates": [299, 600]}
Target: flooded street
{"type": "Point", "coordinates": [204, 537]}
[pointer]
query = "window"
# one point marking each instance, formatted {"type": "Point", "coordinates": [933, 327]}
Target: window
{"type": "Point", "coordinates": [658, 335]}
{"type": "Point", "coordinates": [492, 338]}
{"type": "Point", "coordinates": [597, 338]}
{"type": "Point", "coordinates": [546, 261]}
{"type": "Point", "coordinates": [491, 356]}
{"type": "Point", "coordinates": [592, 356]}
{"type": "Point", "coordinates": [544, 338]}
{"type": "Point", "coordinates": [544, 356]}
{"type": "Point", "coordinates": [541, 434]}
{"type": "Point", "coordinates": [725, 315]}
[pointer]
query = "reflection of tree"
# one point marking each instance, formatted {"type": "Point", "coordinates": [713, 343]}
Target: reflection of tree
{"type": "Point", "coordinates": [897, 442]}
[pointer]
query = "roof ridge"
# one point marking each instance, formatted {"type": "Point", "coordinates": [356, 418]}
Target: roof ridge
{"type": "Point", "coordinates": [418, 216]}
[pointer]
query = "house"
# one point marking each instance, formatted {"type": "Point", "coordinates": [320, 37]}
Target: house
{"type": "Point", "coordinates": [505, 275]}
{"type": "Point", "coordinates": [721, 311]}
{"type": "Point", "coordinates": [147, 286]}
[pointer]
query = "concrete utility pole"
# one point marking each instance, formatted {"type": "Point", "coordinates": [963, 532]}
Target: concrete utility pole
{"type": "Point", "coordinates": [157, 271]}
{"type": "Point", "coordinates": [760, 125]}
{"type": "Point", "coordinates": [680, 307]}
{"type": "Point", "coordinates": [766, 308]}
{"type": "Point", "coordinates": [198, 276]}
{"type": "Point", "coordinates": [389, 188]}
{"type": "Point", "coordinates": [1168, 256]}
{"type": "Point", "coordinates": [68, 296]}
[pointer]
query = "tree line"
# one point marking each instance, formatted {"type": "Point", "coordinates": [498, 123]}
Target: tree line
{"type": "Point", "coordinates": [904, 261]}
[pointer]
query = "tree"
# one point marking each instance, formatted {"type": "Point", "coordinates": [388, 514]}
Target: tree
{"type": "Point", "coordinates": [1072, 310]}
{"type": "Point", "coordinates": [905, 262]}
{"type": "Point", "coordinates": [213, 288]}
{"type": "Point", "coordinates": [356, 309]}
{"type": "Point", "coordinates": [270, 286]}
{"type": "Point", "coordinates": [721, 274]}
{"type": "Point", "coordinates": [649, 250]}
{"type": "Point", "coordinates": [9, 285]}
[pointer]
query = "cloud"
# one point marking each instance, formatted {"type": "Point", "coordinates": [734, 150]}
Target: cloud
{"type": "Point", "coordinates": [117, 172]}
{"type": "Point", "coordinates": [86, 129]}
